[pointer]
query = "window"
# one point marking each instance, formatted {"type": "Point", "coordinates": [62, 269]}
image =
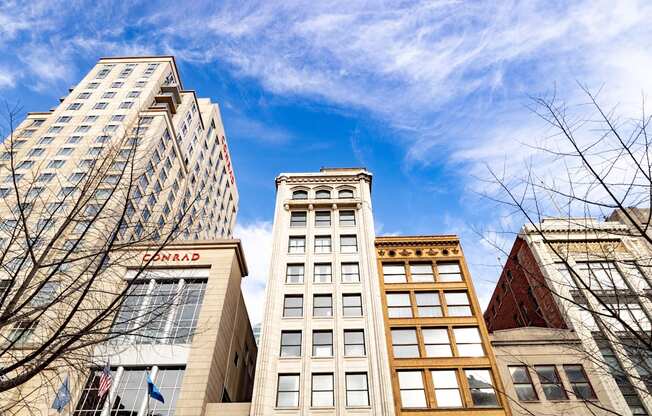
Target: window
{"type": "Point", "coordinates": [523, 383]}
{"type": "Point", "coordinates": [21, 332]}
{"type": "Point", "coordinates": [404, 343]}
{"type": "Point", "coordinates": [422, 272]}
{"type": "Point", "coordinates": [74, 106]}
{"type": "Point", "coordinates": [428, 304]}
{"type": "Point", "coordinates": [83, 95]}
{"type": "Point", "coordinates": [117, 84]}
{"type": "Point", "coordinates": [394, 273]}
{"type": "Point", "coordinates": [323, 244]}
{"type": "Point", "coordinates": [350, 273]}
{"type": "Point", "coordinates": [449, 272]}
{"type": "Point", "coordinates": [294, 273]}
{"type": "Point", "coordinates": [579, 382]}
{"type": "Point", "coordinates": [45, 140]}
{"type": "Point", "coordinates": [323, 273]}
{"type": "Point", "coordinates": [447, 389]}
{"type": "Point", "coordinates": [130, 391]}
{"type": "Point", "coordinates": [45, 177]}
{"type": "Point", "coordinates": [602, 275]}
{"type": "Point", "coordinates": [347, 218]}
{"type": "Point", "coordinates": [297, 245]}
{"type": "Point", "coordinates": [25, 164]}
{"type": "Point", "coordinates": [468, 342]}
{"type": "Point", "coordinates": [352, 305]}
{"type": "Point", "coordinates": [322, 390]}
{"type": "Point", "coordinates": [550, 382]}
{"type": "Point", "coordinates": [322, 218]}
{"type": "Point", "coordinates": [322, 343]}
{"type": "Point", "coordinates": [93, 85]}
{"type": "Point", "coordinates": [410, 384]}
{"type": "Point", "coordinates": [293, 306]}
{"type": "Point", "coordinates": [63, 119]}
{"type": "Point", "coordinates": [436, 342]}
{"type": "Point", "coordinates": [82, 129]}
{"type": "Point", "coordinates": [133, 94]}
{"type": "Point", "coordinates": [348, 244]}
{"type": "Point", "coordinates": [345, 193]}
{"type": "Point", "coordinates": [357, 389]}
{"type": "Point", "coordinates": [118, 117]}
{"type": "Point", "coordinates": [457, 303]}
{"type": "Point", "coordinates": [398, 305]}
{"type": "Point", "coordinates": [482, 388]}
{"type": "Point", "coordinates": [354, 343]}
{"type": "Point", "coordinates": [109, 94]}
{"type": "Point", "coordinates": [37, 151]}
{"type": "Point", "coordinates": [322, 305]}
{"type": "Point", "coordinates": [100, 106]}
{"type": "Point", "coordinates": [298, 218]}
{"type": "Point", "coordinates": [300, 195]}
{"type": "Point", "coordinates": [73, 139]}
{"type": "Point", "coordinates": [290, 343]}
{"type": "Point", "coordinates": [104, 72]}
{"type": "Point", "coordinates": [125, 105]}
{"type": "Point", "coordinates": [323, 194]}
{"type": "Point", "coordinates": [287, 392]}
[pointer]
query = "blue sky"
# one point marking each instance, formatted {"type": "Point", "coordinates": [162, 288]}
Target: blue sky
{"type": "Point", "coordinates": [423, 94]}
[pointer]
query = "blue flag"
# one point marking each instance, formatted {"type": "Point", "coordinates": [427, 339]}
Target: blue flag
{"type": "Point", "coordinates": [153, 391]}
{"type": "Point", "coordinates": [62, 398]}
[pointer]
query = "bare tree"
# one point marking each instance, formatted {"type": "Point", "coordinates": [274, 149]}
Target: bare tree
{"type": "Point", "coordinates": [64, 246]}
{"type": "Point", "coordinates": [593, 164]}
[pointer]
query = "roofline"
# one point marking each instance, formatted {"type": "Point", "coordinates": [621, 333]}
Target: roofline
{"type": "Point", "coordinates": [132, 57]}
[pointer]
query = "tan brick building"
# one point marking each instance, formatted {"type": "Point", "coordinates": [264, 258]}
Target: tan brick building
{"type": "Point", "coordinates": [440, 357]}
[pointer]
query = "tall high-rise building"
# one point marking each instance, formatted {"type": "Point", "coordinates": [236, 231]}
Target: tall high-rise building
{"type": "Point", "coordinates": [440, 356]}
{"type": "Point", "coordinates": [182, 149]}
{"type": "Point", "coordinates": [591, 278]}
{"type": "Point", "coordinates": [323, 348]}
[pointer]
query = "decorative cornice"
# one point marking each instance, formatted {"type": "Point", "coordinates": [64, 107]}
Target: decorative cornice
{"type": "Point", "coordinates": [322, 179]}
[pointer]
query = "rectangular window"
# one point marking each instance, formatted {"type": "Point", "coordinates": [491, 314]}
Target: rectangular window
{"type": "Point", "coordinates": [357, 390]}
{"type": "Point", "coordinates": [428, 304]}
{"type": "Point", "coordinates": [323, 244]}
{"type": "Point", "coordinates": [46, 140]}
{"type": "Point", "coordinates": [603, 275]}
{"type": "Point", "coordinates": [482, 388]}
{"type": "Point", "coordinates": [449, 272]}
{"type": "Point", "coordinates": [117, 84]}
{"type": "Point", "coordinates": [109, 94]}
{"type": "Point", "coordinates": [323, 273]}
{"type": "Point", "coordinates": [298, 218]}
{"type": "Point", "coordinates": [37, 151]}
{"type": "Point", "coordinates": [74, 106]}
{"type": "Point", "coordinates": [322, 343]}
{"type": "Point", "coordinates": [293, 306]}
{"type": "Point", "coordinates": [352, 305]}
{"type": "Point", "coordinates": [297, 245]}
{"type": "Point", "coordinates": [100, 106]}
{"type": "Point", "coordinates": [354, 345]}
{"type": "Point", "coordinates": [294, 273]}
{"type": "Point", "coordinates": [447, 388]}
{"type": "Point", "coordinates": [550, 382]}
{"type": "Point", "coordinates": [348, 244]}
{"type": "Point", "coordinates": [413, 394]}
{"type": "Point", "coordinates": [21, 332]}
{"type": "Point", "coordinates": [404, 343]}
{"type": "Point", "coordinates": [579, 382]}
{"type": "Point", "coordinates": [126, 105]}
{"type": "Point", "coordinates": [322, 305]}
{"type": "Point", "coordinates": [186, 316]}
{"type": "Point", "coordinates": [350, 273]}
{"type": "Point", "coordinates": [398, 305]}
{"type": "Point", "coordinates": [457, 303]}
{"type": "Point", "coordinates": [422, 272]}
{"type": "Point", "coordinates": [322, 218]}
{"type": "Point", "coordinates": [523, 383]}
{"type": "Point", "coordinates": [436, 342]}
{"type": "Point", "coordinates": [394, 273]}
{"type": "Point", "coordinates": [468, 341]}
{"type": "Point", "coordinates": [347, 218]}
{"type": "Point", "coordinates": [287, 392]}
{"type": "Point", "coordinates": [63, 119]}
{"type": "Point", "coordinates": [83, 95]}
{"type": "Point", "coordinates": [322, 390]}
{"type": "Point", "coordinates": [290, 343]}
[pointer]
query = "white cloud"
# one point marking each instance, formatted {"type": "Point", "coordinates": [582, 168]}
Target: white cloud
{"type": "Point", "coordinates": [257, 244]}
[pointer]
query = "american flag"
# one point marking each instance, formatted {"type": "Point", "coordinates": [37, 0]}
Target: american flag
{"type": "Point", "coordinates": [105, 381]}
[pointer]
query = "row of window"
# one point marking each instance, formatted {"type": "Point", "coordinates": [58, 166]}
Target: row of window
{"type": "Point", "coordinates": [551, 383]}
{"type": "Point", "coordinates": [323, 244]}
{"type": "Point", "coordinates": [604, 275]}
{"type": "Point", "coordinates": [323, 194]}
{"type": "Point", "coordinates": [428, 304]}
{"type": "Point", "coordinates": [322, 218]}
{"type": "Point", "coordinates": [448, 387]}
{"type": "Point", "coordinates": [435, 342]}
{"type": "Point", "coordinates": [322, 273]}
{"type": "Point", "coordinates": [322, 305]}
{"type": "Point", "coordinates": [322, 343]}
{"type": "Point", "coordinates": [322, 392]}
{"type": "Point", "coordinates": [422, 272]}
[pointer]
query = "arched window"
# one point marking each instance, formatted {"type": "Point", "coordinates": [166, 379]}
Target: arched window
{"type": "Point", "coordinates": [300, 195]}
{"type": "Point", "coordinates": [323, 194]}
{"type": "Point", "coordinates": [345, 193]}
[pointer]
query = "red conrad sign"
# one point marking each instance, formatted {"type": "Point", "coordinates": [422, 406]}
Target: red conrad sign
{"type": "Point", "coordinates": [172, 257]}
{"type": "Point", "coordinates": [227, 160]}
